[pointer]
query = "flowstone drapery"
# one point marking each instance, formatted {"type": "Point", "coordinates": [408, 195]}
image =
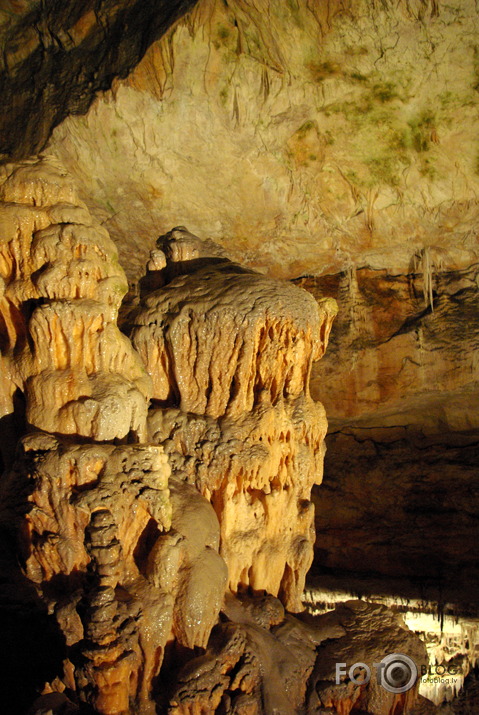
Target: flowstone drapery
{"type": "Point", "coordinates": [230, 352]}
{"type": "Point", "coordinates": [61, 287]}
{"type": "Point", "coordinates": [99, 523]}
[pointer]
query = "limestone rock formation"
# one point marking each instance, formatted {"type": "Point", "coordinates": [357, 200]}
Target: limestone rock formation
{"type": "Point", "coordinates": [334, 144]}
{"type": "Point", "coordinates": [230, 354]}
{"type": "Point", "coordinates": [61, 289]}
{"type": "Point", "coordinates": [163, 544]}
{"type": "Point", "coordinates": [86, 516]}
{"type": "Point", "coordinates": [411, 339]}
{"type": "Point", "coordinates": [372, 633]}
{"type": "Point", "coordinates": [100, 535]}
{"type": "Point", "coordinates": [288, 666]}
{"type": "Point", "coordinates": [451, 636]}
{"type": "Point", "coordinates": [399, 503]}
{"type": "Point", "coordinates": [124, 558]}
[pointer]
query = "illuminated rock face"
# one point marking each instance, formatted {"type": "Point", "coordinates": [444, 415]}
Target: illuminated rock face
{"type": "Point", "coordinates": [230, 353]}
{"type": "Point", "coordinates": [125, 558]}
{"type": "Point", "coordinates": [62, 286]}
{"type": "Point", "coordinates": [326, 143]}
{"type": "Point", "coordinates": [411, 339]}
{"type": "Point", "coordinates": [257, 664]}
{"type": "Point", "coordinates": [91, 509]}
{"type": "Point", "coordinates": [329, 143]}
{"type": "Point", "coordinates": [307, 137]}
{"type": "Point", "coordinates": [165, 542]}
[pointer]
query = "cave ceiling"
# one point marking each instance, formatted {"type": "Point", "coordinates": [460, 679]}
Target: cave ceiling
{"type": "Point", "coordinates": [331, 135]}
{"type": "Point", "coordinates": [56, 56]}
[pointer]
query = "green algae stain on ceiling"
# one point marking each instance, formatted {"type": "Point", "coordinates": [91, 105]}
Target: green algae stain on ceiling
{"type": "Point", "coordinates": [302, 135]}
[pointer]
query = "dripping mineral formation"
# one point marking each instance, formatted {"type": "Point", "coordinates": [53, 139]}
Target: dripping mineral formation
{"type": "Point", "coordinates": [230, 355]}
{"type": "Point", "coordinates": [164, 545]}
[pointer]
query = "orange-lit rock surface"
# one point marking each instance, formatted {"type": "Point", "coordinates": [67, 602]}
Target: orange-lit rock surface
{"type": "Point", "coordinates": [62, 286]}
{"type": "Point", "coordinates": [162, 542]}
{"type": "Point", "coordinates": [334, 144]}
{"type": "Point", "coordinates": [125, 559]}
{"type": "Point", "coordinates": [400, 498]}
{"type": "Point", "coordinates": [230, 352]}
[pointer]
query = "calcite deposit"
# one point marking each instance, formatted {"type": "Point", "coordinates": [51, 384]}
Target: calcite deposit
{"type": "Point", "coordinates": [109, 542]}
{"type": "Point", "coordinates": [412, 340]}
{"type": "Point", "coordinates": [104, 535]}
{"type": "Point", "coordinates": [160, 434]}
{"type": "Point", "coordinates": [230, 353]}
{"type": "Point", "coordinates": [163, 542]}
{"type": "Point", "coordinates": [62, 286]}
{"type": "Point", "coordinates": [283, 664]}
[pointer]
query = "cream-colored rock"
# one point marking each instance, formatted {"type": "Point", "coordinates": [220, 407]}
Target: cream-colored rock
{"type": "Point", "coordinates": [38, 183]}
{"type": "Point", "coordinates": [324, 141]}
{"type": "Point", "coordinates": [221, 339]}
{"type": "Point", "coordinates": [187, 561]}
{"type": "Point", "coordinates": [257, 471]}
{"type": "Point", "coordinates": [61, 290]}
{"type": "Point", "coordinates": [83, 376]}
{"type": "Point", "coordinates": [304, 137]}
{"type": "Point", "coordinates": [281, 667]}
{"type": "Point", "coordinates": [234, 351]}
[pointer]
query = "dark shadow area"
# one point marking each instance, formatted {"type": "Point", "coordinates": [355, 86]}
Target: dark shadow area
{"type": "Point", "coordinates": [400, 519]}
{"type": "Point", "coordinates": [83, 46]}
{"type": "Point", "coordinates": [33, 647]}
{"type": "Point", "coordinates": [176, 658]}
{"type": "Point", "coordinates": [12, 427]}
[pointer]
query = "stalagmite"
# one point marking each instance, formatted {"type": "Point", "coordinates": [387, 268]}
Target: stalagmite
{"type": "Point", "coordinates": [101, 529]}
{"type": "Point", "coordinates": [61, 290]}
{"type": "Point", "coordinates": [230, 352]}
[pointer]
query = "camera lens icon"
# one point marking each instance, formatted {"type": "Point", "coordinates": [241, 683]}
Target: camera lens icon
{"type": "Point", "coordinates": [397, 673]}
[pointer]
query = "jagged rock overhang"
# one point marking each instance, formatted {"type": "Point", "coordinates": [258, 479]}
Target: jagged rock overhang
{"type": "Point", "coordinates": [58, 55]}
